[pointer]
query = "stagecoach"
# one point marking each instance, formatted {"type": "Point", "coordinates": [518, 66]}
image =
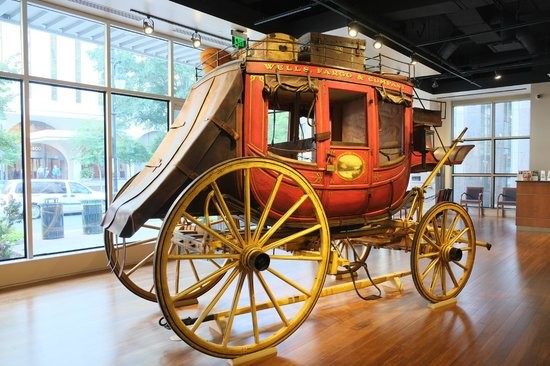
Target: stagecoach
{"type": "Point", "coordinates": [288, 162]}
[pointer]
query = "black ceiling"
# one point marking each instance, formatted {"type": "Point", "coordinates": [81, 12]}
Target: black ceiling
{"type": "Point", "coordinates": [467, 41]}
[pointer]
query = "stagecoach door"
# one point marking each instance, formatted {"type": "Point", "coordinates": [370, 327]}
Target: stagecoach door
{"type": "Point", "coordinates": [348, 154]}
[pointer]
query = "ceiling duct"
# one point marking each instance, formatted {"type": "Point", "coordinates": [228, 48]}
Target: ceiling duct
{"type": "Point", "coordinates": [528, 41]}
{"type": "Point", "coordinates": [447, 50]}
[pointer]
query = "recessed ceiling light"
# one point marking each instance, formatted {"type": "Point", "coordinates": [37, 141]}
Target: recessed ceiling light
{"type": "Point", "coordinates": [378, 42]}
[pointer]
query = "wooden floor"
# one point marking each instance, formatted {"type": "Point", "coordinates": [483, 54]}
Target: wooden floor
{"type": "Point", "coordinates": [502, 318]}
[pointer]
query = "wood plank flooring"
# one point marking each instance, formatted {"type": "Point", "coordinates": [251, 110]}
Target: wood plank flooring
{"type": "Point", "coordinates": [502, 317]}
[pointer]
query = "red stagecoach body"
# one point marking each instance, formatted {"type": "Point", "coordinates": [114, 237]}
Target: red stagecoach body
{"type": "Point", "coordinates": [349, 132]}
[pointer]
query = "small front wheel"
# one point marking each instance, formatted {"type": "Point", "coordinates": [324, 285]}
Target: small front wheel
{"type": "Point", "coordinates": [443, 252]}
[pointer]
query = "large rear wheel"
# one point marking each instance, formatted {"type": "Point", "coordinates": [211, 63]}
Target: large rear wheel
{"type": "Point", "coordinates": [131, 259]}
{"type": "Point", "coordinates": [270, 272]}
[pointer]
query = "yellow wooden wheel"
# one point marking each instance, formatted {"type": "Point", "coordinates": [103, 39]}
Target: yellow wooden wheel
{"type": "Point", "coordinates": [270, 272]}
{"type": "Point", "coordinates": [131, 259]}
{"type": "Point", "coordinates": [443, 252]}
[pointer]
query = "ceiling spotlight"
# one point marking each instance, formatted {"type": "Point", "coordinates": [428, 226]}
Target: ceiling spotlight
{"type": "Point", "coordinates": [414, 59]}
{"type": "Point", "coordinates": [497, 76]}
{"type": "Point", "coordinates": [378, 42]}
{"type": "Point", "coordinates": [435, 84]}
{"type": "Point", "coordinates": [148, 25]}
{"type": "Point", "coordinates": [352, 29]}
{"type": "Point", "coordinates": [196, 39]}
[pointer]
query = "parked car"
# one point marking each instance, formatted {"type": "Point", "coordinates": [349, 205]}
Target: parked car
{"type": "Point", "coordinates": [69, 193]}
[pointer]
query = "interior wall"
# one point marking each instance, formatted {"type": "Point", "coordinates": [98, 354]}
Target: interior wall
{"type": "Point", "coordinates": [540, 126]}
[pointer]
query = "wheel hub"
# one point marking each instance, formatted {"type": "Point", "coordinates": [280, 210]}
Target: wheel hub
{"type": "Point", "coordinates": [253, 258]}
{"type": "Point", "coordinates": [452, 254]}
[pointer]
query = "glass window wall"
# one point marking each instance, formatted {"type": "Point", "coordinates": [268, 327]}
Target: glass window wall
{"type": "Point", "coordinates": [53, 201]}
{"type": "Point", "coordinates": [500, 132]}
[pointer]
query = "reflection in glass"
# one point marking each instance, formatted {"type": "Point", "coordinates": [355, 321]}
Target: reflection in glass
{"type": "Point", "coordinates": [478, 159]}
{"type": "Point", "coordinates": [10, 36]}
{"type": "Point", "coordinates": [140, 125]}
{"type": "Point", "coordinates": [139, 62]}
{"type": "Point", "coordinates": [12, 234]}
{"type": "Point", "coordinates": [185, 70]}
{"type": "Point", "coordinates": [65, 47]}
{"type": "Point", "coordinates": [512, 118]}
{"type": "Point", "coordinates": [511, 155]}
{"type": "Point", "coordinates": [67, 167]}
{"type": "Point", "coordinates": [477, 118]}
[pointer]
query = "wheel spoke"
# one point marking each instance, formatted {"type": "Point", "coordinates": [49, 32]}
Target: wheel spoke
{"type": "Point", "coordinates": [453, 240]}
{"type": "Point", "coordinates": [429, 240]}
{"type": "Point", "coordinates": [214, 275]}
{"type": "Point", "coordinates": [215, 300]}
{"type": "Point", "coordinates": [234, 303]}
{"type": "Point", "coordinates": [429, 268]}
{"type": "Point", "coordinates": [291, 238]}
{"type": "Point", "coordinates": [212, 232]}
{"type": "Point", "coordinates": [437, 233]}
{"type": "Point", "coordinates": [267, 208]}
{"type": "Point", "coordinates": [272, 298]}
{"type": "Point", "coordinates": [434, 276]}
{"type": "Point", "coordinates": [461, 265]}
{"type": "Point", "coordinates": [253, 311]}
{"type": "Point", "coordinates": [428, 255]}
{"type": "Point", "coordinates": [193, 268]}
{"type": "Point", "coordinates": [451, 274]}
{"type": "Point", "coordinates": [289, 281]}
{"type": "Point", "coordinates": [281, 221]}
{"type": "Point", "coordinates": [140, 264]}
{"type": "Point", "coordinates": [246, 195]}
{"type": "Point", "coordinates": [226, 214]}
{"type": "Point", "coordinates": [452, 228]}
{"type": "Point", "coordinates": [443, 278]}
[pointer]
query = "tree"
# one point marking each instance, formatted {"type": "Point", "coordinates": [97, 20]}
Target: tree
{"type": "Point", "coordinates": [89, 140]}
{"type": "Point", "coordinates": [10, 141]}
{"type": "Point", "coordinates": [11, 214]}
{"type": "Point", "coordinates": [144, 74]}
{"type": "Point", "coordinates": [91, 149]}
{"type": "Point", "coordinates": [6, 96]}
{"type": "Point", "coordinates": [10, 147]}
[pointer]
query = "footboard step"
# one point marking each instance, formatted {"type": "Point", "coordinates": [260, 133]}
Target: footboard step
{"type": "Point", "coordinates": [252, 358]}
{"type": "Point", "coordinates": [441, 304]}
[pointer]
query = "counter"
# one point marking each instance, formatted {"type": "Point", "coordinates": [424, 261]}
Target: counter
{"type": "Point", "coordinates": [533, 205]}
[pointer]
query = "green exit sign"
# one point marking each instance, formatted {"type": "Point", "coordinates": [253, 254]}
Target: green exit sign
{"type": "Point", "coordinates": [238, 39]}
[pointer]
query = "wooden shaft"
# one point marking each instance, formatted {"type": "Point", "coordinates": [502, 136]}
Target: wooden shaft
{"type": "Point", "coordinates": [331, 290]}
